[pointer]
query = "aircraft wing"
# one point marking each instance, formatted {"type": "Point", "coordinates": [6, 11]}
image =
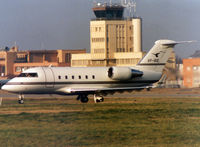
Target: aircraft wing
{"type": "Point", "coordinates": [101, 90]}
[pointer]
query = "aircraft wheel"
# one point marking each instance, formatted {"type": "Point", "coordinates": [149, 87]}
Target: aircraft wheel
{"type": "Point", "coordinates": [98, 99]}
{"type": "Point", "coordinates": [148, 89]}
{"type": "Point", "coordinates": [84, 99]}
{"type": "Point", "coordinates": [21, 101]}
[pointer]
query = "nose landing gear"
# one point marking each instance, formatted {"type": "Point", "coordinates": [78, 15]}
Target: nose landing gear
{"type": "Point", "coordinates": [98, 99]}
{"type": "Point", "coordinates": [21, 99]}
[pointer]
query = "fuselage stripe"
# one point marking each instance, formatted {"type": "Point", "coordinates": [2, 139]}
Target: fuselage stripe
{"type": "Point", "coordinates": [78, 82]}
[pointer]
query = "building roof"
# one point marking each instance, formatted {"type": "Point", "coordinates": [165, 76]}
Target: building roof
{"type": "Point", "coordinates": [42, 51]}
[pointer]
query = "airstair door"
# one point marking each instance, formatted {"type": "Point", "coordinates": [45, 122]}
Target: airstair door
{"type": "Point", "coordinates": [49, 77]}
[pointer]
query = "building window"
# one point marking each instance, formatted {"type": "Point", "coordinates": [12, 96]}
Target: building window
{"type": "Point", "coordinates": [72, 77]}
{"type": "Point", "coordinates": [79, 77]}
{"type": "Point", "coordinates": [188, 80]}
{"type": "Point", "coordinates": [2, 71]}
{"type": "Point", "coordinates": [59, 77]}
{"type": "Point", "coordinates": [86, 76]}
{"type": "Point", "coordinates": [93, 77]}
{"type": "Point", "coordinates": [18, 69]}
{"type": "Point", "coordinates": [195, 68]}
{"type": "Point", "coordinates": [98, 51]}
{"type": "Point", "coordinates": [188, 68]}
{"type": "Point", "coordinates": [98, 39]}
{"type": "Point", "coordinates": [66, 77]}
{"type": "Point", "coordinates": [24, 68]}
{"type": "Point", "coordinates": [120, 50]}
{"type": "Point", "coordinates": [68, 58]}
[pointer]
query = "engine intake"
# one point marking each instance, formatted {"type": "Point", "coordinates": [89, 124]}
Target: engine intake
{"type": "Point", "coordinates": [123, 73]}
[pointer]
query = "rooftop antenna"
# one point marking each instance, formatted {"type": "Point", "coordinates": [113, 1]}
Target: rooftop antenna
{"type": "Point", "coordinates": [94, 2]}
{"type": "Point", "coordinates": [131, 5]}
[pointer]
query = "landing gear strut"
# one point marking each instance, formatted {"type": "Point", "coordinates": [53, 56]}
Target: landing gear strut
{"type": "Point", "coordinates": [98, 99]}
{"type": "Point", "coordinates": [21, 99]}
{"type": "Point", "coordinates": [148, 89]}
{"type": "Point", "coordinates": [83, 98]}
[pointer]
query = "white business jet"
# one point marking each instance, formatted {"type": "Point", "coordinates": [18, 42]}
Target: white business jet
{"type": "Point", "coordinates": [96, 81]}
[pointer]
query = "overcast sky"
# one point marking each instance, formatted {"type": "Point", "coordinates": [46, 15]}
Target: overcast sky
{"type": "Point", "coordinates": [64, 24]}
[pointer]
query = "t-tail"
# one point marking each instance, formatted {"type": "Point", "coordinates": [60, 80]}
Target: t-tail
{"type": "Point", "coordinates": [157, 57]}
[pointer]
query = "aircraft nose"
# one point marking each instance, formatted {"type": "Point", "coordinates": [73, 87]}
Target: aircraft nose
{"type": "Point", "coordinates": [4, 87]}
{"type": "Point", "coordinates": [7, 88]}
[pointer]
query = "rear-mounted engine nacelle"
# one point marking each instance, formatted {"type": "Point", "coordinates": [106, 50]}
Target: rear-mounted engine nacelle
{"type": "Point", "coordinates": [123, 73]}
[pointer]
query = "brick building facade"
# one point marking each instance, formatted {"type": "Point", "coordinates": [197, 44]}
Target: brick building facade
{"type": "Point", "coordinates": [12, 61]}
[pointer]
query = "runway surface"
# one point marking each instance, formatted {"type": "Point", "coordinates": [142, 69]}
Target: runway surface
{"type": "Point", "coordinates": [154, 93]}
{"type": "Point", "coordinates": [160, 117]}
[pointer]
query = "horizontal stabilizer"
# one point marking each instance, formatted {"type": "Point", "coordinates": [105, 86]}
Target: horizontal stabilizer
{"type": "Point", "coordinates": [178, 42]}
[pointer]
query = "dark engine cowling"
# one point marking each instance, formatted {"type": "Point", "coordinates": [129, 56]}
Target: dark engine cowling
{"type": "Point", "coordinates": [123, 73]}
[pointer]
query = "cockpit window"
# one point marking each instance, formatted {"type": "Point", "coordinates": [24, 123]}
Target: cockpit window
{"type": "Point", "coordinates": [28, 75]}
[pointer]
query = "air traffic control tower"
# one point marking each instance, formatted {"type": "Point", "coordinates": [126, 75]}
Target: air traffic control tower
{"type": "Point", "coordinates": [108, 11]}
{"type": "Point", "coordinates": [114, 39]}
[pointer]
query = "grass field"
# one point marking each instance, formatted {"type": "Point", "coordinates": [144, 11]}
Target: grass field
{"type": "Point", "coordinates": [117, 122]}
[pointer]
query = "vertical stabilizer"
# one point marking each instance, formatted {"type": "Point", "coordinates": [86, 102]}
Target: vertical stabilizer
{"type": "Point", "coordinates": [157, 57]}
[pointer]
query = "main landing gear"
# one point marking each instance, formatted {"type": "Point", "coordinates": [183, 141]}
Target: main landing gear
{"type": "Point", "coordinates": [21, 99]}
{"type": "Point", "coordinates": [84, 98]}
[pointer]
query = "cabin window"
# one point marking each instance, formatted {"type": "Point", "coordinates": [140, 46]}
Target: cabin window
{"type": "Point", "coordinates": [59, 77]}
{"type": "Point", "coordinates": [86, 76]}
{"type": "Point", "coordinates": [66, 77]}
{"type": "Point", "coordinates": [93, 77]}
{"type": "Point", "coordinates": [32, 75]}
{"type": "Point", "coordinates": [79, 77]}
{"type": "Point", "coordinates": [72, 77]}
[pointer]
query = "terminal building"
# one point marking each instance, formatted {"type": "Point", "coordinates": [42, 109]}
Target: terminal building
{"type": "Point", "coordinates": [114, 40]}
{"type": "Point", "coordinates": [13, 61]}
